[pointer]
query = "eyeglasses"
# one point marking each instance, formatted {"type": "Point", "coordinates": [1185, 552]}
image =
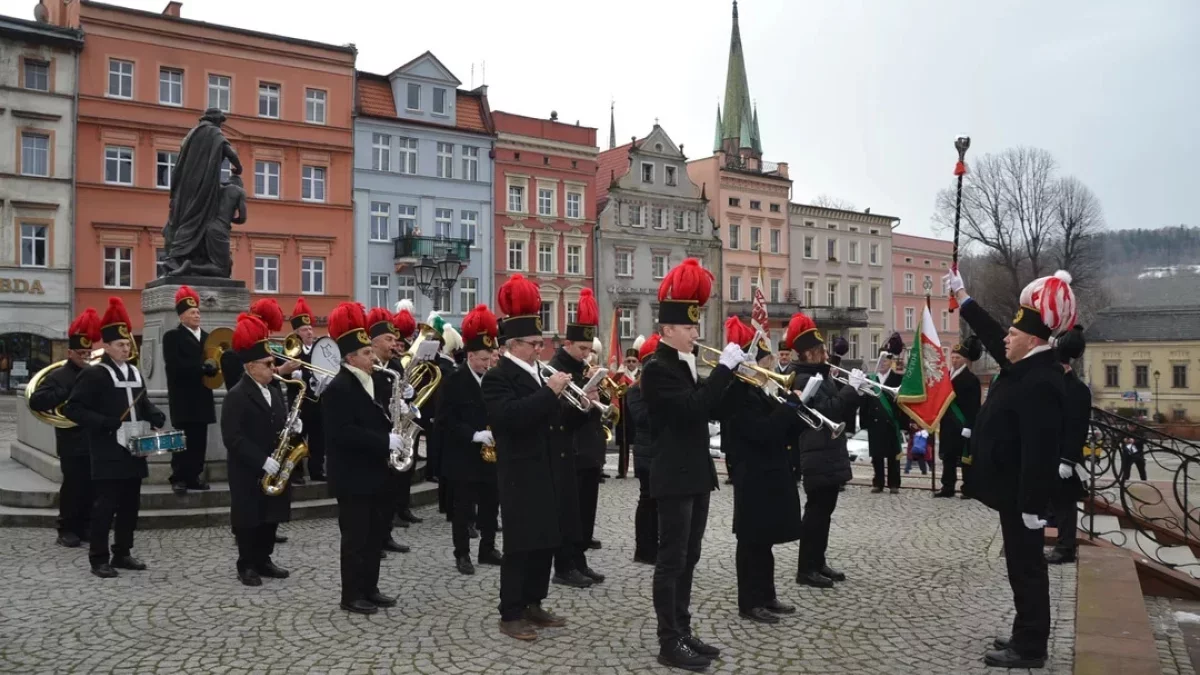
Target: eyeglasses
{"type": "Point", "coordinates": [536, 345]}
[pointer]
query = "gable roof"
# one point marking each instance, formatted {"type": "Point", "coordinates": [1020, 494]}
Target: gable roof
{"type": "Point", "coordinates": [373, 98]}
{"type": "Point", "coordinates": [1139, 324]}
{"type": "Point", "coordinates": [610, 166]}
{"type": "Point", "coordinates": [449, 76]}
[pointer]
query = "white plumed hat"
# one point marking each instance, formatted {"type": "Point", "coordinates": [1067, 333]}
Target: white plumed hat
{"type": "Point", "coordinates": [1048, 306]}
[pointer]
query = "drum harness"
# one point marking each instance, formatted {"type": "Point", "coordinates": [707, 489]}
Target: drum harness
{"type": "Point", "coordinates": [134, 427]}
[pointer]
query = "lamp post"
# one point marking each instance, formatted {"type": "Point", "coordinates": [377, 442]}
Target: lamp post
{"type": "Point", "coordinates": [434, 276]}
{"type": "Point", "coordinates": [1156, 376]}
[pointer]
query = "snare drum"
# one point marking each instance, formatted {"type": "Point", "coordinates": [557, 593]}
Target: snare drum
{"type": "Point", "coordinates": [157, 444]}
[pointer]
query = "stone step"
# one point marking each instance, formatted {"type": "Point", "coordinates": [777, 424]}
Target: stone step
{"type": "Point", "coordinates": [1100, 525]}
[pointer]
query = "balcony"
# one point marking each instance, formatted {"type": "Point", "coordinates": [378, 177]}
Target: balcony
{"type": "Point", "coordinates": [409, 249]}
{"type": "Point", "coordinates": [837, 317]}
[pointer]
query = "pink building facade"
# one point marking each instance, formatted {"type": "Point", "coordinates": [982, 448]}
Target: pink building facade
{"type": "Point", "coordinates": [918, 265]}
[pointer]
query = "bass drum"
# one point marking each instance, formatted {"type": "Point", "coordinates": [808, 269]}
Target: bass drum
{"type": "Point", "coordinates": [325, 355]}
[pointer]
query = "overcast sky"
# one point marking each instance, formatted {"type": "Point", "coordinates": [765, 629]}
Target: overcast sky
{"type": "Point", "coordinates": [862, 98]}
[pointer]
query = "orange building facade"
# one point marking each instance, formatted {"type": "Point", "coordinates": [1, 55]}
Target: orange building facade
{"type": "Point", "coordinates": [145, 79]}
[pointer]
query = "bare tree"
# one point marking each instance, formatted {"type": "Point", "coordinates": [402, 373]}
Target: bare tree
{"type": "Point", "coordinates": [1077, 220]}
{"type": "Point", "coordinates": [831, 202]}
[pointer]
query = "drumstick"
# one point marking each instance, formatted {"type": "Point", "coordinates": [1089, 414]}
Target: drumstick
{"type": "Point", "coordinates": [135, 402]}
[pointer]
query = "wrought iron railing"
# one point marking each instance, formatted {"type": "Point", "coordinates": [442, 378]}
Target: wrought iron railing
{"type": "Point", "coordinates": [417, 246]}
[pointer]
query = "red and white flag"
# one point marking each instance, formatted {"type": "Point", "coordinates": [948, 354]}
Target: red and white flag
{"type": "Point", "coordinates": [615, 353]}
{"type": "Point", "coordinates": [926, 391]}
{"type": "Point", "coordinates": [758, 316]}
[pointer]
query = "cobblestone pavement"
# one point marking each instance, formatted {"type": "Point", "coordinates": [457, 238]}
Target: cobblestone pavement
{"type": "Point", "coordinates": [1168, 635]}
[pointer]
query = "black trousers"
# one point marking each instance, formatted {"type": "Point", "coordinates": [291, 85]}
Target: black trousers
{"type": "Point", "coordinates": [681, 523]}
{"type": "Point", "coordinates": [75, 496]}
{"type": "Point", "coordinates": [471, 496]}
{"type": "Point", "coordinates": [814, 527]}
{"type": "Point", "coordinates": [645, 518]}
{"type": "Point", "coordinates": [363, 521]}
{"type": "Point", "coordinates": [950, 471]}
{"type": "Point", "coordinates": [314, 437]}
{"type": "Point", "coordinates": [1066, 518]}
{"type": "Point", "coordinates": [755, 574]}
{"type": "Point", "coordinates": [186, 466]}
{"type": "Point", "coordinates": [1132, 459]}
{"type": "Point", "coordinates": [404, 489]}
{"type": "Point", "coordinates": [573, 554]}
{"type": "Point", "coordinates": [1030, 582]}
{"type": "Point", "coordinates": [524, 581]}
{"type": "Point", "coordinates": [255, 545]}
{"type": "Point", "coordinates": [116, 507]}
{"type": "Point", "coordinates": [893, 471]}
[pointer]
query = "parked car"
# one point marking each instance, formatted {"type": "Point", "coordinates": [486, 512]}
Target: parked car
{"type": "Point", "coordinates": [858, 448]}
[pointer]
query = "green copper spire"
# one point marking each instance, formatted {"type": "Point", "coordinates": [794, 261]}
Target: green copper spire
{"type": "Point", "coordinates": [717, 138]}
{"type": "Point", "coordinates": [738, 123]}
{"type": "Point", "coordinates": [754, 132]}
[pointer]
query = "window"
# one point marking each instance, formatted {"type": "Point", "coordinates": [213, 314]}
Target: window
{"type": "Point", "coordinates": [120, 78]}
{"type": "Point", "coordinates": [516, 255]}
{"type": "Point", "coordinates": [312, 275]}
{"type": "Point", "coordinates": [268, 100]}
{"type": "Point", "coordinates": [680, 223]}
{"type": "Point", "coordinates": [379, 290]}
{"type": "Point", "coordinates": [37, 75]}
{"type": "Point", "coordinates": [408, 155]}
{"type": "Point", "coordinates": [854, 345]}
{"type": "Point", "coordinates": [381, 212]}
{"type": "Point", "coordinates": [439, 101]}
{"type": "Point", "coordinates": [1179, 376]}
{"type": "Point", "coordinates": [1111, 376]}
{"type": "Point", "coordinates": [574, 205]}
{"type": "Point", "coordinates": [832, 226]}
{"type": "Point", "coordinates": [406, 287]}
{"type": "Point", "coordinates": [35, 154]}
{"type": "Point", "coordinates": [468, 293]}
{"type": "Point", "coordinates": [160, 263]}
{"type": "Point", "coordinates": [624, 263]}
{"type": "Point", "coordinates": [407, 219]}
{"type": "Point", "coordinates": [545, 202]}
{"type": "Point", "coordinates": [469, 224]}
{"type": "Point", "coordinates": [625, 322]}
{"type": "Point", "coordinates": [775, 208]}
{"type": "Point", "coordinates": [516, 198]}
{"type": "Point", "coordinates": [1179, 415]}
{"type": "Point", "coordinates": [381, 152]}
{"type": "Point", "coordinates": [670, 171]}
{"type": "Point", "coordinates": [312, 184]}
{"type": "Point", "coordinates": [810, 293]}
{"type": "Point", "coordinates": [118, 165]}
{"type": "Point", "coordinates": [810, 242]}
{"type": "Point", "coordinates": [734, 201]}
{"type": "Point", "coordinates": [855, 291]}
{"type": "Point", "coordinates": [442, 223]}
{"type": "Point", "coordinates": [735, 234]}
{"type": "Point", "coordinates": [832, 295]}
{"type": "Point", "coordinates": [909, 317]}
{"type": "Point", "coordinates": [170, 86]}
{"type": "Point", "coordinates": [753, 287]}
{"type": "Point", "coordinates": [875, 231]}
{"type": "Point", "coordinates": [266, 274]}
{"type": "Point", "coordinates": [266, 179]}
{"type": "Point", "coordinates": [470, 163]}
{"type": "Point", "coordinates": [164, 168]}
{"type": "Point", "coordinates": [647, 172]}
{"type": "Point", "coordinates": [658, 265]}
{"type": "Point", "coordinates": [219, 87]}
{"type": "Point", "coordinates": [572, 312]}
{"type": "Point", "coordinates": [34, 245]}
{"type": "Point", "coordinates": [414, 96]}
{"type": "Point", "coordinates": [874, 299]}
{"type": "Point", "coordinates": [635, 216]}
{"type": "Point", "coordinates": [226, 171]}
{"type": "Point", "coordinates": [852, 254]}
{"type": "Point", "coordinates": [908, 282]}
{"type": "Point", "coordinates": [831, 248]}
{"type": "Point", "coordinates": [660, 218]}
{"type": "Point", "coordinates": [445, 160]}
{"type": "Point", "coordinates": [547, 316]}
{"type": "Point", "coordinates": [775, 290]}
{"type": "Point", "coordinates": [775, 237]}
{"type": "Point", "coordinates": [545, 256]}
{"type": "Point", "coordinates": [1141, 377]}
{"type": "Point", "coordinates": [735, 288]}
{"type": "Point", "coordinates": [945, 320]}
{"type": "Point", "coordinates": [118, 267]}
{"type": "Point", "coordinates": [809, 223]}
{"type": "Point", "coordinates": [755, 238]}
{"type": "Point", "coordinates": [873, 254]}
{"type": "Point", "coordinates": [441, 300]}
{"type": "Point", "coordinates": [574, 259]}
{"type": "Point", "coordinates": [314, 106]}
{"type": "Point", "coordinates": [874, 343]}
{"type": "Point", "coordinates": [755, 205]}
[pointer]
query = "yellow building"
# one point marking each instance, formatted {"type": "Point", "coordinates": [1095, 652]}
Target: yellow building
{"type": "Point", "coordinates": [1144, 360]}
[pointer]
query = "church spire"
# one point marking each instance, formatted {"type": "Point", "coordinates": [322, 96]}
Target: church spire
{"type": "Point", "coordinates": [738, 112]}
{"type": "Point", "coordinates": [717, 137]}
{"type": "Point", "coordinates": [612, 125]}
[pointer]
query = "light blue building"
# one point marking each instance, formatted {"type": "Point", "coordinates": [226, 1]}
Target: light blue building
{"type": "Point", "coordinates": [422, 187]}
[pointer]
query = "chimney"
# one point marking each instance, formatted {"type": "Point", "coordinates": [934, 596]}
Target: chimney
{"type": "Point", "coordinates": [173, 9]}
{"type": "Point", "coordinates": [553, 115]}
{"type": "Point", "coordinates": [782, 169]}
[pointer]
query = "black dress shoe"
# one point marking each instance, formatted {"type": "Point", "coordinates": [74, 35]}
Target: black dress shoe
{"type": "Point", "coordinates": [395, 546]}
{"type": "Point", "coordinates": [383, 555]}
{"type": "Point", "coordinates": [199, 485]}
{"type": "Point", "coordinates": [69, 540]}
{"type": "Point", "coordinates": [573, 579]}
{"type": "Point", "coordinates": [272, 571]}
{"type": "Point", "coordinates": [380, 600]}
{"type": "Point", "coordinates": [1007, 658]}
{"type": "Point", "coordinates": [895, 490]}
{"type": "Point", "coordinates": [464, 566]}
{"type": "Point", "coordinates": [643, 559]}
{"type": "Point", "coordinates": [778, 607]}
{"type": "Point", "coordinates": [759, 615]}
{"type": "Point", "coordinates": [492, 557]}
{"type": "Point", "coordinates": [876, 490]}
{"type": "Point", "coordinates": [1059, 557]}
{"type": "Point", "coordinates": [281, 539]}
{"type": "Point", "coordinates": [1002, 642]}
{"type": "Point", "coordinates": [359, 607]}
{"type": "Point", "coordinates": [832, 574]}
{"type": "Point", "coordinates": [544, 618]}
{"type": "Point", "coordinates": [128, 562]}
{"type": "Point", "coordinates": [397, 521]}
{"type": "Point", "coordinates": [678, 654]}
{"type": "Point", "coordinates": [594, 544]}
{"type": "Point", "coordinates": [943, 494]}
{"type": "Point", "coordinates": [592, 574]}
{"type": "Point", "coordinates": [408, 515]}
{"type": "Point", "coordinates": [104, 571]}
{"type": "Point", "coordinates": [814, 579]}
{"type": "Point", "coordinates": [472, 532]}
{"type": "Point", "coordinates": [249, 577]}
{"type": "Point", "coordinates": [700, 647]}
{"type": "Point", "coordinates": [179, 489]}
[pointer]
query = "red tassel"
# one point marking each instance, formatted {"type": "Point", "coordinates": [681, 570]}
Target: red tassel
{"type": "Point", "coordinates": [960, 168]}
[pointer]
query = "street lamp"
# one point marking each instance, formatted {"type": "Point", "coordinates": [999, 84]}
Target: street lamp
{"type": "Point", "coordinates": [425, 272]}
{"type": "Point", "coordinates": [1156, 376]}
{"type": "Point", "coordinates": [435, 275]}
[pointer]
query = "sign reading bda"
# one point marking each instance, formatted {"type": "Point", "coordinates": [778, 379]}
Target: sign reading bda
{"type": "Point", "coordinates": [21, 286]}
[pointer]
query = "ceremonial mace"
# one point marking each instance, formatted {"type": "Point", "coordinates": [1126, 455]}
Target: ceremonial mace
{"type": "Point", "coordinates": [960, 169]}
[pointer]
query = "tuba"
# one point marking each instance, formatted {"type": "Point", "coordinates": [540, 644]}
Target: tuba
{"type": "Point", "coordinates": [287, 453]}
{"type": "Point", "coordinates": [54, 418]}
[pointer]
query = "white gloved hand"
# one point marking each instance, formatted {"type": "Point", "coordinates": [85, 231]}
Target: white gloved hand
{"type": "Point", "coordinates": [714, 428]}
{"type": "Point", "coordinates": [484, 437]}
{"type": "Point", "coordinates": [403, 407]}
{"type": "Point", "coordinates": [858, 380]}
{"type": "Point", "coordinates": [408, 392]}
{"type": "Point", "coordinates": [271, 466]}
{"type": "Point", "coordinates": [298, 426]}
{"type": "Point", "coordinates": [1065, 470]}
{"type": "Point", "coordinates": [966, 433]}
{"type": "Point", "coordinates": [811, 387]}
{"type": "Point", "coordinates": [395, 441]}
{"type": "Point", "coordinates": [732, 355]}
{"type": "Point", "coordinates": [1032, 521]}
{"type": "Point", "coordinates": [953, 281]}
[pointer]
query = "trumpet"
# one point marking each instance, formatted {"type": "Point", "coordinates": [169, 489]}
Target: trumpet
{"type": "Point", "coordinates": [812, 417]}
{"type": "Point", "coordinates": [744, 370]}
{"type": "Point", "coordinates": [840, 374]}
{"type": "Point", "coordinates": [574, 394]}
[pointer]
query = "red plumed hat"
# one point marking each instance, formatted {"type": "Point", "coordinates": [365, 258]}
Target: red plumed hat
{"type": "Point", "coordinates": [480, 329]}
{"type": "Point", "coordinates": [404, 323]}
{"type": "Point", "coordinates": [250, 337]}
{"type": "Point", "coordinates": [84, 332]}
{"type": "Point", "coordinates": [185, 299]}
{"type": "Point", "coordinates": [802, 333]}
{"type": "Point", "coordinates": [301, 314]}
{"type": "Point", "coordinates": [115, 325]}
{"type": "Point", "coordinates": [587, 317]}
{"type": "Point", "coordinates": [649, 346]}
{"type": "Point", "coordinates": [347, 325]}
{"type": "Point", "coordinates": [269, 311]}
{"type": "Point", "coordinates": [521, 302]}
{"type": "Point", "coordinates": [737, 332]}
{"type": "Point", "coordinates": [683, 292]}
{"type": "Point", "coordinates": [379, 322]}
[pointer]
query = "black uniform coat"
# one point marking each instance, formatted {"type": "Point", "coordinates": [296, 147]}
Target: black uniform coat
{"type": "Point", "coordinates": [883, 437]}
{"type": "Point", "coordinates": [766, 503]}
{"type": "Point", "coordinates": [356, 437]}
{"type": "Point", "coordinates": [232, 369]}
{"type": "Point", "coordinates": [183, 356]}
{"type": "Point", "coordinates": [680, 408]}
{"type": "Point", "coordinates": [636, 415]}
{"type": "Point", "coordinates": [967, 396]}
{"type": "Point", "coordinates": [428, 419]}
{"type": "Point", "coordinates": [588, 439]}
{"type": "Point", "coordinates": [1019, 431]}
{"type": "Point", "coordinates": [250, 430]}
{"type": "Point", "coordinates": [824, 461]}
{"type": "Point", "coordinates": [461, 412]}
{"type": "Point", "coordinates": [53, 391]}
{"type": "Point", "coordinates": [1078, 415]}
{"type": "Point", "coordinates": [528, 423]}
{"type": "Point", "coordinates": [97, 405]}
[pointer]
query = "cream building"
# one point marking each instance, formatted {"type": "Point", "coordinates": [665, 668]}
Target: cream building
{"type": "Point", "coordinates": [1145, 360]}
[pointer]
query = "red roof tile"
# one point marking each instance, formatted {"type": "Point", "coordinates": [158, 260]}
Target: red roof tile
{"type": "Point", "coordinates": [375, 100]}
{"type": "Point", "coordinates": [611, 165]}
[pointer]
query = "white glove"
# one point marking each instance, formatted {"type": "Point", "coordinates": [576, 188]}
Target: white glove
{"type": "Point", "coordinates": [408, 392]}
{"type": "Point", "coordinates": [811, 387]}
{"type": "Point", "coordinates": [732, 355]}
{"type": "Point", "coordinates": [403, 407]}
{"type": "Point", "coordinates": [1065, 470]}
{"type": "Point", "coordinates": [395, 441]}
{"type": "Point", "coordinates": [484, 437]}
{"type": "Point", "coordinates": [298, 426]}
{"type": "Point", "coordinates": [714, 428]}
{"type": "Point", "coordinates": [271, 466]}
{"type": "Point", "coordinates": [858, 380]}
{"type": "Point", "coordinates": [953, 281]}
{"type": "Point", "coordinates": [1032, 521]}
{"type": "Point", "coordinates": [966, 433]}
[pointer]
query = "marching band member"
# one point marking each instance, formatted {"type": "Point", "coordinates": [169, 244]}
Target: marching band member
{"type": "Point", "coordinates": [882, 420]}
{"type": "Point", "coordinates": [824, 462]}
{"type": "Point", "coordinates": [625, 376]}
{"type": "Point", "coordinates": [449, 341]}
{"type": "Point", "coordinates": [682, 474]}
{"type": "Point", "coordinates": [525, 411]}
{"type": "Point", "coordinates": [954, 434]}
{"type": "Point", "coordinates": [382, 332]}
{"type": "Point", "coordinates": [359, 440]}
{"type": "Point", "coordinates": [784, 357]}
{"type": "Point", "coordinates": [1069, 488]}
{"type": "Point", "coordinates": [190, 401]}
{"type": "Point", "coordinates": [310, 410]}
{"type": "Point", "coordinates": [405, 326]}
{"type": "Point", "coordinates": [75, 495]}
{"type": "Point", "coordinates": [104, 397]}
{"type": "Point", "coordinates": [1015, 448]}
{"type": "Point", "coordinates": [252, 421]}
{"type": "Point", "coordinates": [232, 367]}
{"type": "Point", "coordinates": [766, 504]}
{"type": "Point", "coordinates": [462, 418]}
{"type": "Point", "coordinates": [645, 517]}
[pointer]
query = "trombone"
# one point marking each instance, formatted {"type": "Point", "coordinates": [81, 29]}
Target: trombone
{"type": "Point", "coordinates": [283, 355]}
{"type": "Point", "coordinates": [574, 394]}
{"type": "Point", "coordinates": [874, 389]}
{"type": "Point", "coordinates": [289, 346]}
{"type": "Point", "coordinates": [783, 380]}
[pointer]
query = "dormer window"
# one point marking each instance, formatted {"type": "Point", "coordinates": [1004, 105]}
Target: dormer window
{"type": "Point", "coordinates": [647, 172]}
{"type": "Point", "coordinates": [670, 175]}
{"type": "Point", "coordinates": [439, 101]}
{"type": "Point", "coordinates": [414, 96]}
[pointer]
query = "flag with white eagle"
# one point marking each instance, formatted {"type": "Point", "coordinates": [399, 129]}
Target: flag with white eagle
{"type": "Point", "coordinates": [926, 391]}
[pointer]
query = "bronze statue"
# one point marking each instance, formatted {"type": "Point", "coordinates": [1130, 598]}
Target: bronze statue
{"type": "Point", "coordinates": [202, 208]}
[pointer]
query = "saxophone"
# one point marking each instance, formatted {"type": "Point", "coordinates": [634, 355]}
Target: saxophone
{"type": "Point", "coordinates": [405, 423]}
{"type": "Point", "coordinates": [488, 452]}
{"type": "Point", "coordinates": [288, 454]}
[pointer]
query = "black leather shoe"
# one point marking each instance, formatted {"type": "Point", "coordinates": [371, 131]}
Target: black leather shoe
{"type": "Point", "coordinates": [594, 544]}
{"type": "Point", "coordinates": [464, 566]}
{"type": "Point", "coordinates": [199, 485]}
{"type": "Point", "coordinates": [573, 579]}
{"type": "Point", "coordinates": [677, 654]}
{"type": "Point", "coordinates": [537, 616]}
{"type": "Point", "coordinates": [1057, 557]}
{"type": "Point", "coordinates": [592, 574]}
{"type": "Point", "coordinates": [68, 539]}
{"type": "Point", "coordinates": [359, 607]}
{"type": "Point", "coordinates": [1001, 643]}
{"type": "Point", "coordinates": [472, 532]}
{"type": "Point", "coordinates": [281, 539]}
{"type": "Point", "coordinates": [832, 574]}
{"type": "Point", "coordinates": [395, 546]}
{"type": "Point", "coordinates": [1007, 658]}
{"type": "Point", "coordinates": [700, 647]}
{"type": "Point", "coordinates": [492, 557]}
{"type": "Point", "coordinates": [104, 571]}
{"type": "Point", "coordinates": [408, 515]}
{"type": "Point", "coordinates": [759, 615]}
{"type": "Point", "coordinates": [814, 579]}
{"type": "Point", "coordinates": [645, 560]}
{"type": "Point", "coordinates": [380, 600]}
{"type": "Point", "coordinates": [249, 577]}
{"type": "Point", "coordinates": [272, 571]}
{"type": "Point", "coordinates": [876, 490]}
{"type": "Point", "coordinates": [778, 607]}
{"type": "Point", "coordinates": [128, 562]}
{"type": "Point", "coordinates": [383, 555]}
{"type": "Point", "coordinates": [943, 494]}
{"type": "Point", "coordinates": [895, 491]}
{"type": "Point", "coordinates": [179, 489]}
